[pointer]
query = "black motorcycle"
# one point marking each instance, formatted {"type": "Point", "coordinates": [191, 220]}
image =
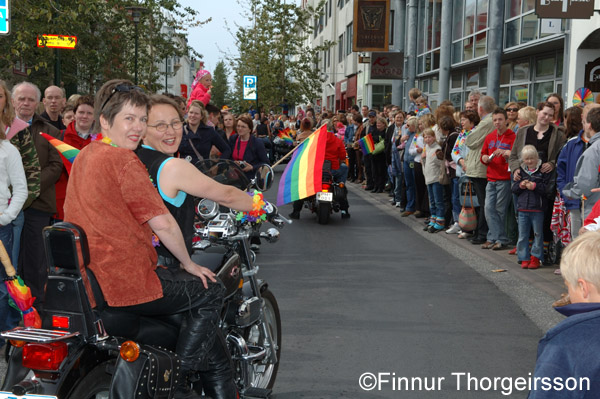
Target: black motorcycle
{"type": "Point", "coordinates": [333, 196]}
{"type": "Point", "coordinates": [91, 352]}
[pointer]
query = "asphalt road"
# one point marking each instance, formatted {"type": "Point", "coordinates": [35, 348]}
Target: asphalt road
{"type": "Point", "coordinates": [374, 294]}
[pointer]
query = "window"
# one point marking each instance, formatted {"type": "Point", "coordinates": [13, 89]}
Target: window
{"type": "Point", "coordinates": [382, 94]}
{"type": "Point", "coordinates": [392, 24]}
{"type": "Point", "coordinates": [328, 57]}
{"type": "Point", "coordinates": [349, 38]}
{"type": "Point", "coordinates": [326, 7]}
{"type": "Point", "coordinates": [341, 48]}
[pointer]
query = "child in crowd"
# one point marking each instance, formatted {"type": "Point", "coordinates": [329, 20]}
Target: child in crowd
{"type": "Point", "coordinates": [531, 192]}
{"type": "Point", "coordinates": [569, 350]}
{"type": "Point", "coordinates": [201, 87]}
{"type": "Point", "coordinates": [432, 160]}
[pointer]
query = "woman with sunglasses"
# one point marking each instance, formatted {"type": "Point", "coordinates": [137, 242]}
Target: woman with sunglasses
{"type": "Point", "coordinates": [512, 112]}
{"type": "Point", "coordinates": [112, 197]}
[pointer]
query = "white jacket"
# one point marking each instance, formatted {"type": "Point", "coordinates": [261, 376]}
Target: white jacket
{"type": "Point", "coordinates": [11, 174]}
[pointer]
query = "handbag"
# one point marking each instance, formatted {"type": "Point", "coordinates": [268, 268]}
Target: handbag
{"type": "Point", "coordinates": [467, 199]}
{"type": "Point", "coordinates": [467, 219]}
{"type": "Point", "coordinates": [444, 178]}
{"type": "Point", "coordinates": [379, 147]}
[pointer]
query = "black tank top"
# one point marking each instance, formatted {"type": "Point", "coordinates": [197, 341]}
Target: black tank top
{"type": "Point", "coordinates": [184, 214]}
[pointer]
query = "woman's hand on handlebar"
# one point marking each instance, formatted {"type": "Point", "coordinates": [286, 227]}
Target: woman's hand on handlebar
{"type": "Point", "coordinates": [200, 272]}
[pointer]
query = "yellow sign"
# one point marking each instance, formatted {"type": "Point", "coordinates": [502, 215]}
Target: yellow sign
{"type": "Point", "coordinates": [57, 41]}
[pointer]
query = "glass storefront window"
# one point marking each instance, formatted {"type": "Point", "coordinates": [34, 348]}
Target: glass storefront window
{"type": "Point", "coordinates": [503, 96]}
{"type": "Point", "coordinates": [436, 59]}
{"type": "Point", "coordinates": [519, 93]}
{"type": "Point", "coordinates": [529, 30]}
{"type": "Point", "coordinates": [437, 22]}
{"type": "Point", "coordinates": [429, 25]}
{"type": "Point", "coordinates": [457, 49]}
{"type": "Point", "coordinates": [457, 19]}
{"type": "Point", "coordinates": [480, 44]}
{"type": "Point", "coordinates": [528, 5]}
{"type": "Point", "coordinates": [435, 88]}
{"type": "Point", "coordinates": [420, 65]}
{"type": "Point", "coordinates": [521, 71]}
{"type": "Point", "coordinates": [424, 85]}
{"type": "Point", "coordinates": [513, 8]}
{"type": "Point", "coordinates": [544, 67]}
{"type": "Point", "coordinates": [468, 49]}
{"type": "Point", "coordinates": [505, 74]}
{"type": "Point", "coordinates": [483, 77]}
{"type": "Point", "coordinates": [469, 17]}
{"type": "Point", "coordinates": [382, 94]}
{"type": "Point", "coordinates": [482, 14]}
{"type": "Point", "coordinates": [559, 66]}
{"type": "Point", "coordinates": [428, 62]}
{"type": "Point", "coordinates": [512, 33]}
{"type": "Point", "coordinates": [473, 79]}
{"type": "Point", "coordinates": [541, 91]}
{"type": "Point", "coordinates": [456, 99]}
{"type": "Point", "coordinates": [456, 80]}
{"type": "Point", "coordinates": [420, 31]}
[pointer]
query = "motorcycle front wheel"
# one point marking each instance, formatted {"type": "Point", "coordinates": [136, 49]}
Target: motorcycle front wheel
{"type": "Point", "coordinates": [263, 373]}
{"type": "Point", "coordinates": [95, 385]}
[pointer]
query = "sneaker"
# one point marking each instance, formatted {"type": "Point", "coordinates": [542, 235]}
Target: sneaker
{"type": "Point", "coordinates": [478, 241]}
{"type": "Point", "coordinates": [486, 245]}
{"type": "Point", "coordinates": [455, 229]}
{"type": "Point", "coordinates": [406, 213]}
{"type": "Point", "coordinates": [534, 263]}
{"type": "Point", "coordinates": [255, 247]}
{"type": "Point", "coordinates": [398, 205]}
{"type": "Point", "coordinates": [513, 251]}
{"type": "Point", "coordinates": [419, 214]}
{"type": "Point", "coordinates": [498, 246]}
{"type": "Point", "coordinates": [464, 234]}
{"type": "Point", "coordinates": [524, 264]}
{"type": "Point", "coordinates": [393, 201]}
{"type": "Point", "coordinates": [345, 214]}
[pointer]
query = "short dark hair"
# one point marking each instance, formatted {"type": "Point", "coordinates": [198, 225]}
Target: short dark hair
{"type": "Point", "coordinates": [355, 107]}
{"type": "Point", "coordinates": [500, 111]}
{"type": "Point", "coordinates": [110, 100]}
{"type": "Point", "coordinates": [87, 100]}
{"type": "Point", "coordinates": [545, 104]}
{"type": "Point", "coordinates": [593, 118]}
{"type": "Point", "coordinates": [471, 115]}
{"type": "Point", "coordinates": [161, 99]}
{"type": "Point", "coordinates": [447, 123]}
{"type": "Point", "coordinates": [247, 120]}
{"type": "Point", "coordinates": [212, 110]}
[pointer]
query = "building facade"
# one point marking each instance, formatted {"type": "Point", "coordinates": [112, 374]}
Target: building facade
{"type": "Point", "coordinates": [451, 47]}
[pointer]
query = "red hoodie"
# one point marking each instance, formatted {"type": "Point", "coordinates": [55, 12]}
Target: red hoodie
{"type": "Point", "coordinates": [497, 168]}
{"type": "Point", "coordinates": [334, 150]}
{"type": "Point", "coordinates": [71, 138]}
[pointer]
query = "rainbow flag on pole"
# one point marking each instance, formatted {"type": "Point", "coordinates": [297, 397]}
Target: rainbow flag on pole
{"type": "Point", "coordinates": [367, 145]}
{"type": "Point", "coordinates": [67, 152]}
{"type": "Point", "coordinates": [303, 175]}
{"type": "Point", "coordinates": [286, 136]}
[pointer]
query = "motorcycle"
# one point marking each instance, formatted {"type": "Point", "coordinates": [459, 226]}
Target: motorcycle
{"type": "Point", "coordinates": [280, 149]}
{"type": "Point", "coordinates": [332, 197]}
{"type": "Point", "coordinates": [85, 350]}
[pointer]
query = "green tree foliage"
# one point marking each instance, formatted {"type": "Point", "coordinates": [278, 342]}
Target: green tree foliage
{"type": "Point", "coordinates": [274, 48]}
{"type": "Point", "coordinates": [219, 92]}
{"type": "Point", "coordinates": [105, 40]}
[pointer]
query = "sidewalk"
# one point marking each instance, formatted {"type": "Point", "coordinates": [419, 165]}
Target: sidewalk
{"type": "Point", "coordinates": [543, 278]}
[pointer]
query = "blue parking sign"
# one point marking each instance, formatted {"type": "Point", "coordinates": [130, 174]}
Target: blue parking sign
{"type": "Point", "coordinates": [4, 24]}
{"type": "Point", "coordinates": [250, 87]}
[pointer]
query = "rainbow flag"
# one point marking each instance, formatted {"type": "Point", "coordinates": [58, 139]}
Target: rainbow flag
{"type": "Point", "coordinates": [67, 152]}
{"type": "Point", "coordinates": [303, 174]}
{"type": "Point", "coordinates": [367, 145]}
{"type": "Point", "coordinates": [286, 136]}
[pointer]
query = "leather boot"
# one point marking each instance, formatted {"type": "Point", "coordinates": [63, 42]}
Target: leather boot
{"type": "Point", "coordinates": [217, 380]}
{"type": "Point", "coordinates": [183, 389]}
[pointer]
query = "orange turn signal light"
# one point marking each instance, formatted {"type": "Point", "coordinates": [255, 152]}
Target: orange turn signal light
{"type": "Point", "coordinates": [17, 344]}
{"type": "Point", "coordinates": [130, 351]}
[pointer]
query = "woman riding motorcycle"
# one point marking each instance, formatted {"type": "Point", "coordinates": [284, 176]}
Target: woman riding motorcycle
{"type": "Point", "coordinates": [175, 178]}
{"type": "Point", "coordinates": [112, 198]}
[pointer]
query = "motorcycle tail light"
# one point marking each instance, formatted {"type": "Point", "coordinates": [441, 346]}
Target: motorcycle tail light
{"type": "Point", "coordinates": [326, 187]}
{"type": "Point", "coordinates": [49, 356]}
{"type": "Point", "coordinates": [130, 351]}
{"type": "Point", "coordinates": [61, 322]}
{"type": "Point", "coordinates": [17, 344]}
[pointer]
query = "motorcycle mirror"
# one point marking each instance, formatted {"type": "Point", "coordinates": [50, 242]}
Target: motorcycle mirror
{"type": "Point", "coordinates": [207, 209]}
{"type": "Point", "coordinates": [264, 178]}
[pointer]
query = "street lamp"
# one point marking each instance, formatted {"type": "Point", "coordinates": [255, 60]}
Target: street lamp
{"type": "Point", "coordinates": [135, 12]}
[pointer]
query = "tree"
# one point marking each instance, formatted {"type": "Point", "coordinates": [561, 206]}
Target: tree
{"type": "Point", "coordinates": [105, 38]}
{"type": "Point", "coordinates": [275, 49]}
{"type": "Point", "coordinates": [220, 88]}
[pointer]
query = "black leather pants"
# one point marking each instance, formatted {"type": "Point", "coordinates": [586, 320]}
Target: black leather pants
{"type": "Point", "coordinates": [217, 380]}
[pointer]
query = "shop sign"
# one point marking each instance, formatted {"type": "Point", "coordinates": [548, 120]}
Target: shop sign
{"type": "Point", "coordinates": [569, 9]}
{"type": "Point", "coordinates": [387, 65]}
{"type": "Point", "coordinates": [592, 75]}
{"type": "Point", "coordinates": [57, 41]}
{"type": "Point", "coordinates": [371, 25]}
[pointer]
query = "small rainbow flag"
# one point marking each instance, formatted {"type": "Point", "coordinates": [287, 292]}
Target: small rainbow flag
{"type": "Point", "coordinates": [67, 152]}
{"type": "Point", "coordinates": [286, 136]}
{"type": "Point", "coordinates": [303, 174]}
{"type": "Point", "coordinates": [367, 145]}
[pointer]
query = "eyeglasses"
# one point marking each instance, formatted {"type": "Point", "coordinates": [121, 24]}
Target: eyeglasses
{"type": "Point", "coordinates": [512, 109]}
{"type": "Point", "coordinates": [162, 127]}
{"type": "Point", "coordinates": [120, 88]}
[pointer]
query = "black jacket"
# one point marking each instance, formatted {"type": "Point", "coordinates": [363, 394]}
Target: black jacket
{"type": "Point", "coordinates": [532, 200]}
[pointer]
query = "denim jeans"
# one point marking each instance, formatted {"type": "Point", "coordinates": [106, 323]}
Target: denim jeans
{"type": "Point", "coordinates": [436, 200]}
{"type": "Point", "coordinates": [398, 187]}
{"type": "Point", "coordinates": [527, 220]}
{"type": "Point", "coordinates": [456, 208]}
{"type": "Point", "coordinates": [9, 317]}
{"type": "Point", "coordinates": [409, 180]}
{"type": "Point", "coordinates": [340, 175]}
{"type": "Point", "coordinates": [497, 197]}
{"type": "Point", "coordinates": [17, 229]}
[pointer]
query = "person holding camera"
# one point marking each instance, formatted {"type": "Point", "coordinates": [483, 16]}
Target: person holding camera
{"type": "Point", "coordinates": [248, 151]}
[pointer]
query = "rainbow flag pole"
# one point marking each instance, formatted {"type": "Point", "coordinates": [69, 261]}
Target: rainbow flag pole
{"type": "Point", "coordinates": [302, 175]}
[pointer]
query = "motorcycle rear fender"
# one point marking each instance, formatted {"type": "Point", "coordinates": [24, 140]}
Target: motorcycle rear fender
{"type": "Point", "coordinates": [80, 362]}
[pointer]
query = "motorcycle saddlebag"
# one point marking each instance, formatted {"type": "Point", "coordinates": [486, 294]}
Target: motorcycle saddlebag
{"type": "Point", "coordinates": [153, 375]}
